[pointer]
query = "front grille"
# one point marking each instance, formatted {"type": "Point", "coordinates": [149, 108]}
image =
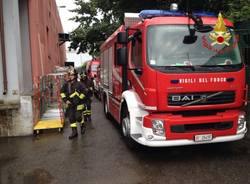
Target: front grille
{"type": "Point", "coordinates": [198, 113]}
{"type": "Point", "coordinates": [204, 98]}
{"type": "Point", "coordinates": [201, 127]}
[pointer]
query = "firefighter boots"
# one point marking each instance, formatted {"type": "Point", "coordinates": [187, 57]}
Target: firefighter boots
{"type": "Point", "coordinates": [74, 133]}
{"type": "Point", "coordinates": [89, 121]}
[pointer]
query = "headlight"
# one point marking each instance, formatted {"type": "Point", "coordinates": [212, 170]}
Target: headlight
{"type": "Point", "coordinates": [241, 122]}
{"type": "Point", "coordinates": [158, 127]}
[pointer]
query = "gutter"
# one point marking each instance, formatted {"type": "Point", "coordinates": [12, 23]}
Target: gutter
{"type": "Point", "coordinates": [5, 82]}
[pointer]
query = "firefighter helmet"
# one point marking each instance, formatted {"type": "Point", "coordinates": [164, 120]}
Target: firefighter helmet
{"type": "Point", "coordinates": [82, 76]}
{"type": "Point", "coordinates": [72, 71]}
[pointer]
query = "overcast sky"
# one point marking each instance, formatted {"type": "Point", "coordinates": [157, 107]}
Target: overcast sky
{"type": "Point", "coordinates": [64, 7]}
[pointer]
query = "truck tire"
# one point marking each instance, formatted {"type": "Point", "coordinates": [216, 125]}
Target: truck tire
{"type": "Point", "coordinates": [125, 129]}
{"type": "Point", "coordinates": [105, 108]}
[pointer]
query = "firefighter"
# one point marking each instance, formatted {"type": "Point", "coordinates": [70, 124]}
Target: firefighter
{"type": "Point", "coordinates": [73, 94]}
{"type": "Point", "coordinates": [88, 82]}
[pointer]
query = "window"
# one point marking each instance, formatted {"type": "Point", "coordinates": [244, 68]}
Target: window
{"type": "Point", "coordinates": [172, 45]}
{"type": "Point", "coordinates": [136, 57]}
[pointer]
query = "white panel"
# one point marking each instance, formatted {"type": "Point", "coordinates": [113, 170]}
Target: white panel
{"type": "Point", "coordinates": [1, 74]}
{"type": "Point", "coordinates": [102, 67]}
{"type": "Point", "coordinates": [12, 48]}
{"type": "Point", "coordinates": [111, 64]}
{"type": "Point", "coordinates": [106, 67]}
{"type": "Point", "coordinates": [25, 69]}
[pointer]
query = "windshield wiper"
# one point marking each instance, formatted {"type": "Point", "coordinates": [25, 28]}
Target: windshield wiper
{"type": "Point", "coordinates": [212, 66]}
{"type": "Point", "coordinates": [188, 66]}
{"type": "Point", "coordinates": [220, 66]}
{"type": "Point", "coordinates": [184, 67]}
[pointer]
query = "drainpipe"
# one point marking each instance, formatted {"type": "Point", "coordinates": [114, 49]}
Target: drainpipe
{"type": "Point", "coordinates": [5, 82]}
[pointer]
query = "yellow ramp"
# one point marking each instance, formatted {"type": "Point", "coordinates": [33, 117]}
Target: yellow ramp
{"type": "Point", "coordinates": [48, 124]}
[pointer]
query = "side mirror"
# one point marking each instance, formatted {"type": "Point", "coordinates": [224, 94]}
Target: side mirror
{"type": "Point", "coordinates": [121, 56]}
{"type": "Point", "coordinates": [122, 38]}
{"type": "Point", "coordinates": [188, 39]}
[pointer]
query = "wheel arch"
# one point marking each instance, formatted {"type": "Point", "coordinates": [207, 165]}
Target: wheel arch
{"type": "Point", "coordinates": [129, 100]}
{"type": "Point", "coordinates": [105, 101]}
{"type": "Point", "coordinates": [132, 101]}
{"type": "Point", "coordinates": [134, 104]}
{"type": "Point", "coordinates": [105, 96]}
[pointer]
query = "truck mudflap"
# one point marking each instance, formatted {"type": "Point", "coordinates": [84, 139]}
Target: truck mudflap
{"type": "Point", "coordinates": [183, 142]}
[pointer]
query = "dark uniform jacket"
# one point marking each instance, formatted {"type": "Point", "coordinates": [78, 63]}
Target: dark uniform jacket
{"type": "Point", "coordinates": [89, 85]}
{"type": "Point", "coordinates": [75, 93]}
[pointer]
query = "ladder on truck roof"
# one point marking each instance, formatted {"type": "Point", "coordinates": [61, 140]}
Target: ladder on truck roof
{"type": "Point", "coordinates": [131, 19]}
{"type": "Point", "coordinates": [50, 104]}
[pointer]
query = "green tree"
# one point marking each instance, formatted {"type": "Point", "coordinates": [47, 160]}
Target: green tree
{"type": "Point", "coordinates": [98, 19]}
{"type": "Point", "coordinates": [238, 10]}
{"type": "Point", "coordinates": [92, 30]}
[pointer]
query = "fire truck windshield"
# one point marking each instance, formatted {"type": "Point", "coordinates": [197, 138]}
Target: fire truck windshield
{"type": "Point", "coordinates": [94, 68]}
{"type": "Point", "coordinates": [181, 45]}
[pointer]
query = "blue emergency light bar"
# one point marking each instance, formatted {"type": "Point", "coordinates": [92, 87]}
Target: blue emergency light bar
{"type": "Point", "coordinates": [147, 14]}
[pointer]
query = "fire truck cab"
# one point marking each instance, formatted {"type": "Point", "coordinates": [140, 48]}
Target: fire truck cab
{"type": "Point", "coordinates": [92, 67]}
{"type": "Point", "coordinates": [93, 72]}
{"type": "Point", "coordinates": [171, 79]}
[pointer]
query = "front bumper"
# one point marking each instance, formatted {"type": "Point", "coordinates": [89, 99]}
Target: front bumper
{"type": "Point", "coordinates": [183, 142]}
{"type": "Point", "coordinates": [148, 138]}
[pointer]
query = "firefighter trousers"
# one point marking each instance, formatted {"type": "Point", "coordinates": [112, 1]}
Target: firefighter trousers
{"type": "Point", "coordinates": [74, 117]}
{"type": "Point", "coordinates": [87, 111]}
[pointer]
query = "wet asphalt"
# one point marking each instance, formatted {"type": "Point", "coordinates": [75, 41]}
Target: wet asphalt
{"type": "Point", "coordinates": [102, 157]}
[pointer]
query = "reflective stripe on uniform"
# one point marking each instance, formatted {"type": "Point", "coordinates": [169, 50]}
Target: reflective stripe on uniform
{"type": "Point", "coordinates": [82, 96]}
{"type": "Point", "coordinates": [80, 107]}
{"type": "Point", "coordinates": [74, 94]}
{"type": "Point", "coordinates": [87, 112]}
{"type": "Point", "coordinates": [82, 122]}
{"type": "Point", "coordinates": [73, 125]}
{"type": "Point", "coordinates": [63, 95]}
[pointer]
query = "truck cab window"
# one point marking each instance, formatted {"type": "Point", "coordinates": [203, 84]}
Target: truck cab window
{"type": "Point", "coordinates": [167, 45]}
{"type": "Point", "coordinates": [136, 57]}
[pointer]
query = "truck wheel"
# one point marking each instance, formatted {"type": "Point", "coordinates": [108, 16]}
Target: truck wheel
{"type": "Point", "coordinates": [60, 130]}
{"type": "Point", "coordinates": [35, 133]}
{"type": "Point", "coordinates": [106, 111]}
{"type": "Point", "coordinates": [125, 126]}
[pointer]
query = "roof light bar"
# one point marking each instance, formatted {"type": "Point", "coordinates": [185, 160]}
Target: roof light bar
{"type": "Point", "coordinates": [147, 14]}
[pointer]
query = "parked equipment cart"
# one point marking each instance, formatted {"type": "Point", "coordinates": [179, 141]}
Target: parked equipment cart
{"type": "Point", "coordinates": [50, 104]}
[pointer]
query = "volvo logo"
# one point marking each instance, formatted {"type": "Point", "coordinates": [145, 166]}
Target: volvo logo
{"type": "Point", "coordinates": [203, 98]}
{"type": "Point", "coordinates": [188, 98]}
{"type": "Point", "coordinates": [179, 98]}
{"type": "Point", "coordinates": [193, 98]}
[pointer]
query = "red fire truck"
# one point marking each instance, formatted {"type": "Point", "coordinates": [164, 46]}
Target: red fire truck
{"type": "Point", "coordinates": [171, 78]}
{"type": "Point", "coordinates": [92, 67]}
{"type": "Point", "coordinates": [93, 70]}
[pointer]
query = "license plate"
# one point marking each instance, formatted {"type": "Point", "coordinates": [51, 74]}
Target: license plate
{"type": "Point", "coordinates": [203, 138]}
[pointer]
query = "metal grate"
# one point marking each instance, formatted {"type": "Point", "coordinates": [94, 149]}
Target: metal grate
{"type": "Point", "coordinates": [201, 127]}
